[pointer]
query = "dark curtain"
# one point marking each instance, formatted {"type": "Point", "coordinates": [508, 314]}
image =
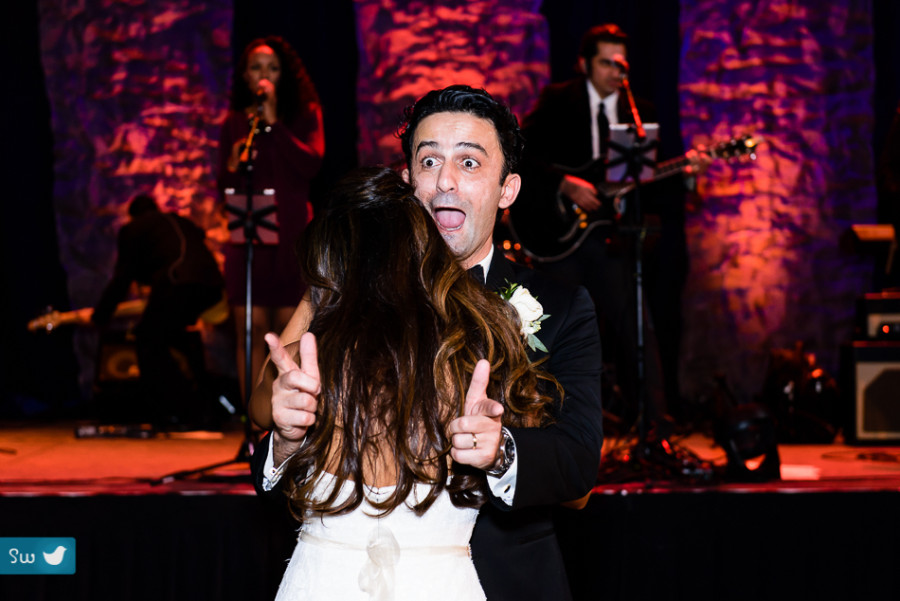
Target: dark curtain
{"type": "Point", "coordinates": [37, 372]}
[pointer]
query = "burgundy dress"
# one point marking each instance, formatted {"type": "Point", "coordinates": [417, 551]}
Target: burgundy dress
{"type": "Point", "coordinates": [286, 163]}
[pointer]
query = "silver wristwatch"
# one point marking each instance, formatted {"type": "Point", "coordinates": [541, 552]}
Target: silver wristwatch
{"type": "Point", "coordinates": [507, 454]}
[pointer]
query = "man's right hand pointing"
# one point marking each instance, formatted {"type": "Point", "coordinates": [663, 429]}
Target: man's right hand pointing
{"type": "Point", "coordinates": [476, 435]}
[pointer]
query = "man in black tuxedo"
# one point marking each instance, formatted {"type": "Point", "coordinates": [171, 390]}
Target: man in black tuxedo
{"type": "Point", "coordinates": [569, 126]}
{"type": "Point", "coordinates": [462, 148]}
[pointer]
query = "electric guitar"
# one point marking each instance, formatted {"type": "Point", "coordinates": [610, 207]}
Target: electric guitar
{"type": "Point", "coordinates": [51, 320]}
{"type": "Point", "coordinates": [549, 232]}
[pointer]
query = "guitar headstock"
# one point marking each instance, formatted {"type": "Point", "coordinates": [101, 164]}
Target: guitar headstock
{"type": "Point", "coordinates": [744, 146]}
{"type": "Point", "coordinates": [46, 322]}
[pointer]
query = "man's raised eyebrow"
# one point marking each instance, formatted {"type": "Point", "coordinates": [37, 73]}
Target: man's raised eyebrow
{"type": "Point", "coordinates": [425, 144]}
{"type": "Point", "coordinates": [434, 144]}
{"type": "Point", "coordinates": [473, 146]}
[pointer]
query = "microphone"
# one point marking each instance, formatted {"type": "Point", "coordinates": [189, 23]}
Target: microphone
{"type": "Point", "coordinates": [261, 95]}
{"type": "Point", "coordinates": [619, 61]}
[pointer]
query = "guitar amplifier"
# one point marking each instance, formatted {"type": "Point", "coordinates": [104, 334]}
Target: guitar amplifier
{"type": "Point", "coordinates": [878, 316]}
{"type": "Point", "coordinates": [870, 381]}
{"type": "Point", "coordinates": [117, 361]}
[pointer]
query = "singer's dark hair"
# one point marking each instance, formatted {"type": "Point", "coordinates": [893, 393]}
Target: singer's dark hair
{"type": "Point", "coordinates": [465, 99]}
{"type": "Point", "coordinates": [608, 32]}
{"type": "Point", "coordinates": [295, 90]}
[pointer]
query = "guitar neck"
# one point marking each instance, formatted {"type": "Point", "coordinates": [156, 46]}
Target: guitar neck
{"type": "Point", "coordinates": [54, 319]}
{"type": "Point", "coordinates": [677, 165]}
{"type": "Point", "coordinates": [670, 167]}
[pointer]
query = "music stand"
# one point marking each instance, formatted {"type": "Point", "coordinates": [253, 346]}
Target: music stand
{"type": "Point", "coordinates": [627, 152]}
{"type": "Point", "coordinates": [256, 217]}
{"type": "Point", "coordinates": [256, 222]}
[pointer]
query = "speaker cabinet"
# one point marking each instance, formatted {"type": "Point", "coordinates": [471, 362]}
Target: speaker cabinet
{"type": "Point", "coordinates": [878, 316]}
{"type": "Point", "coordinates": [117, 395]}
{"type": "Point", "coordinates": [870, 382]}
{"type": "Point", "coordinates": [117, 362]}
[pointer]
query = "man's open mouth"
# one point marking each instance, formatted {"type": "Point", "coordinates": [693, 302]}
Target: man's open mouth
{"type": "Point", "coordinates": [448, 218]}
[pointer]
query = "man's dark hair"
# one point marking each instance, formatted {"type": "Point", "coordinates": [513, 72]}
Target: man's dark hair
{"type": "Point", "coordinates": [141, 204]}
{"type": "Point", "coordinates": [608, 32]}
{"type": "Point", "coordinates": [465, 99]}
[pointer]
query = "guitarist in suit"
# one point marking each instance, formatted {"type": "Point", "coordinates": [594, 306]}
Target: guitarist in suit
{"type": "Point", "coordinates": [569, 126]}
{"type": "Point", "coordinates": [462, 150]}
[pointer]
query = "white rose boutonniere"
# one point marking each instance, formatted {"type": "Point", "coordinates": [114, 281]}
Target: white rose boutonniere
{"type": "Point", "coordinates": [530, 311]}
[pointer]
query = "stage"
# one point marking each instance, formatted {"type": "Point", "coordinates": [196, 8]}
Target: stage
{"type": "Point", "coordinates": [827, 530]}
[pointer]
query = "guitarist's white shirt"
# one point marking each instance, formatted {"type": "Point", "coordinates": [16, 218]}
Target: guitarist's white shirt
{"type": "Point", "coordinates": [609, 104]}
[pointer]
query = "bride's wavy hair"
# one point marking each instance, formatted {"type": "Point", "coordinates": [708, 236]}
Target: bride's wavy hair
{"type": "Point", "coordinates": [400, 326]}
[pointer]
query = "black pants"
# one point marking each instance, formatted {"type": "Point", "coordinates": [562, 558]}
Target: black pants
{"type": "Point", "coordinates": [170, 358]}
{"type": "Point", "coordinates": [605, 265]}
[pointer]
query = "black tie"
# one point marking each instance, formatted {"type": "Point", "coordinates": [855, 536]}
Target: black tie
{"type": "Point", "coordinates": [602, 129]}
{"type": "Point", "coordinates": [477, 272]}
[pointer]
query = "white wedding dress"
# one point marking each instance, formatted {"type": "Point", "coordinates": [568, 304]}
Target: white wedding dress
{"type": "Point", "coordinates": [398, 557]}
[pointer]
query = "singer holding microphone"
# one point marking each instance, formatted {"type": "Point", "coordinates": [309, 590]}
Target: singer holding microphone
{"type": "Point", "coordinates": [274, 127]}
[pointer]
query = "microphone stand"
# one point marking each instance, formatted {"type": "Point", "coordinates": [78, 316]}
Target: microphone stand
{"type": "Point", "coordinates": [250, 220]}
{"type": "Point", "coordinates": [643, 460]}
{"type": "Point", "coordinates": [636, 157]}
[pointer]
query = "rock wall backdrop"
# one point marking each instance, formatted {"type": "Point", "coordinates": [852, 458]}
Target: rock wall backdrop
{"type": "Point", "coordinates": [137, 90]}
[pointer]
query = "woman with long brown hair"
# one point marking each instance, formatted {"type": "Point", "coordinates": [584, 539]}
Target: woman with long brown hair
{"type": "Point", "coordinates": [276, 110]}
{"type": "Point", "coordinates": [401, 342]}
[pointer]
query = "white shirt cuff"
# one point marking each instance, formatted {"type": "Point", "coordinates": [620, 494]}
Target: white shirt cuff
{"type": "Point", "coordinates": [504, 487]}
{"type": "Point", "coordinates": [272, 474]}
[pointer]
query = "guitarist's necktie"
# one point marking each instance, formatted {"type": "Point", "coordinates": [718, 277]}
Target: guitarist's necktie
{"type": "Point", "coordinates": [603, 130]}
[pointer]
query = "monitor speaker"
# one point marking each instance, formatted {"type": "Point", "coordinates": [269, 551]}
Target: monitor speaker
{"type": "Point", "coordinates": [870, 383]}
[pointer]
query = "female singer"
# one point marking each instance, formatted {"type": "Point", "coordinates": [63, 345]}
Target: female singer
{"type": "Point", "coordinates": [272, 92]}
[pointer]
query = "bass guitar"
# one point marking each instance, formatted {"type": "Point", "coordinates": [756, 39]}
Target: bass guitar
{"type": "Point", "coordinates": [549, 232]}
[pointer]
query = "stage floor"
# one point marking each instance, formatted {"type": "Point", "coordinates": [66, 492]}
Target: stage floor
{"type": "Point", "coordinates": [48, 459]}
{"type": "Point", "coordinates": [826, 530]}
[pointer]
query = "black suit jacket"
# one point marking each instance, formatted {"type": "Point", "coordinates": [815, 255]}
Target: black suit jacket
{"type": "Point", "coordinates": [515, 550]}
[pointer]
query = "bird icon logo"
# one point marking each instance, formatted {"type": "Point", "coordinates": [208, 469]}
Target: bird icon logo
{"type": "Point", "coordinates": [55, 558]}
